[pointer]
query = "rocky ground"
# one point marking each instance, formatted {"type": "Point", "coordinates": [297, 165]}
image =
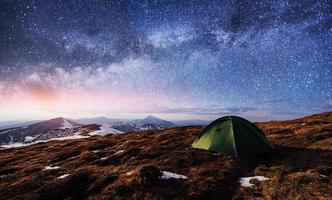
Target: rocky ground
{"type": "Point", "coordinates": [128, 166]}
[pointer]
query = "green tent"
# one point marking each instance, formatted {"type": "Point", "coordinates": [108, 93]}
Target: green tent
{"type": "Point", "coordinates": [234, 136]}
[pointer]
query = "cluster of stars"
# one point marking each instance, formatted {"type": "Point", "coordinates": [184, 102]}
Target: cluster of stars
{"type": "Point", "coordinates": [202, 58]}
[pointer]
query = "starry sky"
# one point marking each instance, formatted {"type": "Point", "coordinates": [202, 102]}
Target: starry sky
{"type": "Point", "coordinates": [194, 59]}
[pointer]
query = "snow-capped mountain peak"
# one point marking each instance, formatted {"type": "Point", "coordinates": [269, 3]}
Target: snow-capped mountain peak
{"type": "Point", "coordinates": [68, 123]}
{"type": "Point", "coordinates": [60, 122]}
{"type": "Point", "coordinates": [148, 123]}
{"type": "Point", "coordinates": [151, 119]}
{"type": "Point", "coordinates": [156, 121]}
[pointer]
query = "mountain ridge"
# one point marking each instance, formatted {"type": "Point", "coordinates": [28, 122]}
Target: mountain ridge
{"type": "Point", "coordinates": [61, 127]}
{"type": "Point", "coordinates": [31, 131]}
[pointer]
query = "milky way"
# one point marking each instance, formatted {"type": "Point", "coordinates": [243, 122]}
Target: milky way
{"type": "Point", "coordinates": [177, 59]}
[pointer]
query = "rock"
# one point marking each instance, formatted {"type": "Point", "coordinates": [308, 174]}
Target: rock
{"type": "Point", "coordinates": [149, 175]}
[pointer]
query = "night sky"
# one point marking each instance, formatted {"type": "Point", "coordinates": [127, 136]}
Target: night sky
{"type": "Point", "coordinates": [175, 59]}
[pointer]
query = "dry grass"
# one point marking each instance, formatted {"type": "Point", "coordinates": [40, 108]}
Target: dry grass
{"type": "Point", "coordinates": [296, 171]}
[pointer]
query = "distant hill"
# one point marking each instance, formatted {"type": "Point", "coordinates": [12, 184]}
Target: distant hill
{"type": "Point", "coordinates": [97, 120]}
{"type": "Point", "coordinates": [162, 165]}
{"type": "Point", "coordinates": [6, 125]}
{"type": "Point", "coordinates": [148, 123]}
{"type": "Point", "coordinates": [33, 131]}
{"type": "Point", "coordinates": [192, 122]}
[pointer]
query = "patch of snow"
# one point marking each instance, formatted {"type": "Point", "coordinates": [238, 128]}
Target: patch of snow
{"type": "Point", "coordinates": [74, 137]}
{"type": "Point", "coordinates": [30, 138]}
{"type": "Point", "coordinates": [51, 167]}
{"type": "Point", "coordinates": [118, 152]}
{"type": "Point", "coordinates": [167, 175]}
{"type": "Point", "coordinates": [19, 144]}
{"type": "Point", "coordinates": [63, 176]}
{"type": "Point", "coordinates": [103, 158]}
{"type": "Point", "coordinates": [3, 176]}
{"type": "Point", "coordinates": [245, 181]}
{"type": "Point", "coordinates": [302, 124]}
{"type": "Point", "coordinates": [7, 131]}
{"type": "Point", "coordinates": [95, 151]}
{"type": "Point", "coordinates": [322, 175]}
{"type": "Point", "coordinates": [105, 130]}
{"type": "Point", "coordinates": [144, 128]}
{"type": "Point", "coordinates": [66, 124]}
{"type": "Point", "coordinates": [129, 173]}
{"type": "Point", "coordinates": [11, 139]}
{"type": "Point", "coordinates": [16, 145]}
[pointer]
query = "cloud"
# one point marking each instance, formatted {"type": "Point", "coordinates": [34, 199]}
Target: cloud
{"type": "Point", "coordinates": [100, 44]}
{"type": "Point", "coordinates": [7, 90]}
{"type": "Point", "coordinates": [222, 36]}
{"type": "Point", "coordinates": [209, 110]}
{"type": "Point", "coordinates": [169, 37]}
{"type": "Point", "coordinates": [127, 86]}
{"type": "Point", "coordinates": [130, 73]}
{"type": "Point", "coordinates": [37, 87]}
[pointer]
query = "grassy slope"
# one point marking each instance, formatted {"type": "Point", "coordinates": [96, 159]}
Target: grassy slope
{"type": "Point", "coordinates": [304, 151]}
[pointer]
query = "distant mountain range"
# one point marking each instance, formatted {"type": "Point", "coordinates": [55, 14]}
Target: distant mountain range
{"type": "Point", "coordinates": [13, 124]}
{"type": "Point", "coordinates": [192, 122]}
{"type": "Point", "coordinates": [62, 128]}
{"type": "Point", "coordinates": [98, 120]}
{"type": "Point", "coordinates": [148, 123]}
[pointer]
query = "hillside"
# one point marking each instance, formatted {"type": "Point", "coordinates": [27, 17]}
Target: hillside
{"type": "Point", "coordinates": [39, 130]}
{"type": "Point", "coordinates": [64, 129]}
{"type": "Point", "coordinates": [148, 123]}
{"type": "Point", "coordinates": [124, 166]}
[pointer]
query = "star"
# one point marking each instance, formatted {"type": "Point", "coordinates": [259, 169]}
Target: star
{"type": "Point", "coordinates": [188, 58]}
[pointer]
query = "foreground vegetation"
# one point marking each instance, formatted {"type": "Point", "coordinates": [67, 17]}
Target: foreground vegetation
{"type": "Point", "coordinates": [127, 166]}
